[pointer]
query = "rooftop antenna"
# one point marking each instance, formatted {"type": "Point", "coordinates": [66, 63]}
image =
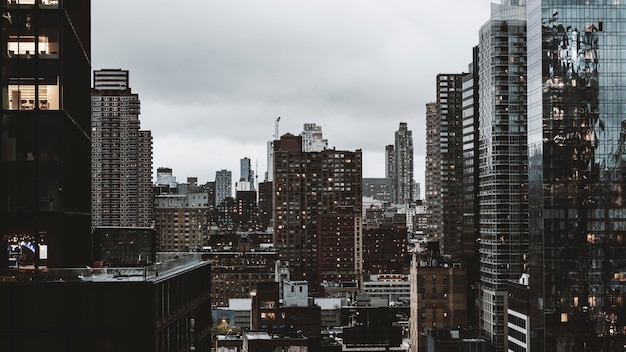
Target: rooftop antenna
{"type": "Point", "coordinates": [276, 127]}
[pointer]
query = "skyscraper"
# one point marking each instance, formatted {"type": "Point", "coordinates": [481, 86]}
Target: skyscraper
{"type": "Point", "coordinates": [247, 173]}
{"type": "Point", "coordinates": [45, 130]}
{"type": "Point", "coordinates": [444, 167]}
{"type": "Point", "coordinates": [577, 163]}
{"type": "Point", "coordinates": [121, 154]}
{"type": "Point", "coordinates": [502, 163]}
{"type": "Point", "coordinates": [390, 169]}
{"type": "Point", "coordinates": [317, 212]}
{"type": "Point", "coordinates": [223, 186]}
{"type": "Point", "coordinates": [403, 165]}
{"type": "Point", "coordinates": [433, 176]}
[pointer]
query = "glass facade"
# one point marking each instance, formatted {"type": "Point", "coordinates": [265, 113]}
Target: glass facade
{"type": "Point", "coordinates": [44, 101]}
{"type": "Point", "coordinates": [577, 145]}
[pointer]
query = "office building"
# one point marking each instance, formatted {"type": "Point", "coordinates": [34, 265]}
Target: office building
{"type": "Point", "coordinates": [502, 154]}
{"type": "Point", "coordinates": [576, 136]}
{"type": "Point", "coordinates": [45, 130]}
{"type": "Point", "coordinates": [121, 155]}
{"type": "Point", "coordinates": [161, 307]}
{"type": "Point", "coordinates": [223, 186]}
{"type": "Point", "coordinates": [310, 188]}
{"type": "Point", "coordinates": [312, 139]}
{"type": "Point", "coordinates": [403, 165]}
{"type": "Point", "coordinates": [247, 173]}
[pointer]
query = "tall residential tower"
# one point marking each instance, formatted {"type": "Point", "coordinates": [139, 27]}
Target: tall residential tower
{"type": "Point", "coordinates": [121, 155]}
{"type": "Point", "coordinates": [502, 163]}
{"type": "Point", "coordinates": [403, 165]}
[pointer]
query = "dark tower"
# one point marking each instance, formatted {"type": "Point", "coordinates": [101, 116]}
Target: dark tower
{"type": "Point", "coordinates": [45, 178]}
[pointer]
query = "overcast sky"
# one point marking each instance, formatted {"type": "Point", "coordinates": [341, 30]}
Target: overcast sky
{"type": "Point", "coordinates": [213, 75]}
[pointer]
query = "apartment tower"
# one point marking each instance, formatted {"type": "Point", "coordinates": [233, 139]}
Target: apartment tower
{"type": "Point", "coordinates": [577, 163]}
{"type": "Point", "coordinates": [121, 154]}
{"type": "Point", "coordinates": [223, 186]}
{"type": "Point", "coordinates": [444, 167]}
{"type": "Point", "coordinates": [403, 165]}
{"type": "Point", "coordinates": [45, 130]}
{"type": "Point", "coordinates": [317, 212]}
{"type": "Point", "coordinates": [502, 161]}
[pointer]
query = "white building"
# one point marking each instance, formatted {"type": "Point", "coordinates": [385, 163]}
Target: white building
{"type": "Point", "coordinates": [312, 140]}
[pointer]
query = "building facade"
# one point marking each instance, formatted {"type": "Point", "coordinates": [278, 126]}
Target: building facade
{"type": "Point", "coordinates": [502, 163]}
{"type": "Point", "coordinates": [182, 218]}
{"type": "Point", "coordinates": [312, 139]}
{"type": "Point", "coordinates": [403, 165]}
{"type": "Point", "coordinates": [247, 173]}
{"type": "Point", "coordinates": [444, 163]}
{"type": "Point", "coordinates": [438, 299]}
{"type": "Point", "coordinates": [433, 176]}
{"type": "Point", "coordinates": [310, 188]}
{"type": "Point", "coordinates": [223, 186]}
{"type": "Point", "coordinates": [577, 136]}
{"type": "Point", "coordinates": [45, 129]}
{"type": "Point", "coordinates": [121, 155]}
{"type": "Point", "coordinates": [162, 307]}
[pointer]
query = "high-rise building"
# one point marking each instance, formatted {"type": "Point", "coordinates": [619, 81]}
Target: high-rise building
{"type": "Point", "coordinates": [471, 177]}
{"type": "Point", "coordinates": [121, 154]}
{"type": "Point", "coordinates": [438, 299]}
{"type": "Point", "coordinates": [502, 161]}
{"type": "Point", "coordinates": [317, 207]}
{"type": "Point", "coordinates": [390, 170]}
{"type": "Point", "coordinates": [223, 186]}
{"type": "Point", "coordinates": [44, 198]}
{"type": "Point", "coordinates": [444, 169]}
{"type": "Point", "coordinates": [403, 165]}
{"type": "Point", "coordinates": [433, 176]}
{"type": "Point", "coordinates": [247, 173]}
{"type": "Point", "coordinates": [577, 163]}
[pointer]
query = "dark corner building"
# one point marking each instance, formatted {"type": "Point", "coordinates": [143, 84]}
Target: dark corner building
{"type": "Point", "coordinates": [164, 307]}
{"type": "Point", "coordinates": [45, 102]}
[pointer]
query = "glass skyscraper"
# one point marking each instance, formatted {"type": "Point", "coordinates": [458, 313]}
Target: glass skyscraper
{"type": "Point", "coordinates": [45, 107]}
{"type": "Point", "coordinates": [577, 174]}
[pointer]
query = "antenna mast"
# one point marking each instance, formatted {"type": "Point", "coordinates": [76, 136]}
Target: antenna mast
{"type": "Point", "coordinates": [276, 127]}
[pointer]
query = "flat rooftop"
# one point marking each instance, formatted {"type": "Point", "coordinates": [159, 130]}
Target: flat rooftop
{"type": "Point", "coordinates": [167, 264]}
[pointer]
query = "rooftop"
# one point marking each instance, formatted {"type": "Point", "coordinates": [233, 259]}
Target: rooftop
{"type": "Point", "coordinates": [167, 264]}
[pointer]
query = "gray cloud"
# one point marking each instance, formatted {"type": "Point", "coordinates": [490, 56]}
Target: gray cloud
{"type": "Point", "coordinates": [213, 75]}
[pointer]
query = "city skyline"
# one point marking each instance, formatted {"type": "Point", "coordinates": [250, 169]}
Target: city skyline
{"type": "Point", "coordinates": [354, 66]}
